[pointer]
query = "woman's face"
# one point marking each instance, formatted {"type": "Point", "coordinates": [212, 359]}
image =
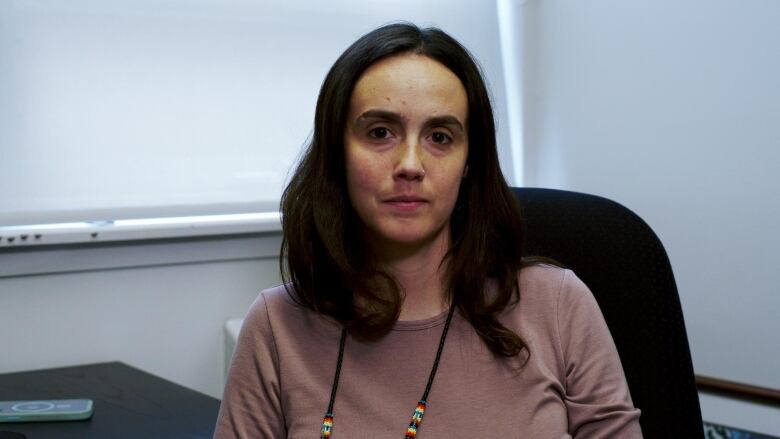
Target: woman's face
{"type": "Point", "coordinates": [406, 146]}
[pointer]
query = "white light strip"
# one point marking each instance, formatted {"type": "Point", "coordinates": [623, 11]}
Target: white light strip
{"type": "Point", "coordinates": [238, 217]}
{"type": "Point", "coordinates": [140, 229]}
{"type": "Point", "coordinates": [510, 14]}
{"type": "Point", "coordinates": [32, 227]}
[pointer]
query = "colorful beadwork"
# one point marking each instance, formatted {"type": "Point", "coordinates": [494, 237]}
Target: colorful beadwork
{"type": "Point", "coordinates": [327, 426]}
{"type": "Point", "coordinates": [419, 411]}
{"type": "Point", "coordinates": [417, 416]}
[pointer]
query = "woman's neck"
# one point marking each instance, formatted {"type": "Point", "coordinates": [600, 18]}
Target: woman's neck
{"type": "Point", "coordinates": [421, 275]}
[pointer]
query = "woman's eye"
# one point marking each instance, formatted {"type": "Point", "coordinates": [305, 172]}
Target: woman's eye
{"type": "Point", "coordinates": [441, 138]}
{"type": "Point", "coordinates": [379, 133]}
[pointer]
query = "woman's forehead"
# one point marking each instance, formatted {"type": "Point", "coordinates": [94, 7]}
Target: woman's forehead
{"type": "Point", "coordinates": [409, 83]}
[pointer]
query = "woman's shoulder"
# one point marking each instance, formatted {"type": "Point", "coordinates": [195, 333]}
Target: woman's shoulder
{"type": "Point", "coordinates": [541, 282]}
{"type": "Point", "coordinates": [547, 279]}
{"type": "Point", "coordinates": [541, 273]}
{"type": "Point", "coordinates": [279, 295]}
{"type": "Point", "coordinates": [277, 309]}
{"type": "Point", "coordinates": [273, 302]}
{"type": "Point", "coordinates": [548, 289]}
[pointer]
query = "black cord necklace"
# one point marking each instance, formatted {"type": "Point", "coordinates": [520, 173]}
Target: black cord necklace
{"type": "Point", "coordinates": [419, 411]}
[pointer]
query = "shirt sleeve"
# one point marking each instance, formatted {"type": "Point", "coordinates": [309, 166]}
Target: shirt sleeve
{"type": "Point", "coordinates": [597, 398]}
{"type": "Point", "coordinates": [251, 405]}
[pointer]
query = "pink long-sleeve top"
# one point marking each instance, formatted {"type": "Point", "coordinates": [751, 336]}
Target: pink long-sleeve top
{"type": "Point", "coordinates": [572, 386]}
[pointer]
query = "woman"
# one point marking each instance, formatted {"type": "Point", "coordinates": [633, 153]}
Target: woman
{"type": "Point", "coordinates": [405, 278]}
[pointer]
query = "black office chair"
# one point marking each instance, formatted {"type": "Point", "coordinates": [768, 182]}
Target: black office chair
{"type": "Point", "coordinates": [622, 261]}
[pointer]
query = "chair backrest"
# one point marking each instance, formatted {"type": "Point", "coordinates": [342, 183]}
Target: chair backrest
{"type": "Point", "coordinates": [625, 265]}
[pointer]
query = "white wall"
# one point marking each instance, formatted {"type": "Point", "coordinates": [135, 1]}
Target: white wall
{"type": "Point", "coordinates": [166, 318]}
{"type": "Point", "coordinates": [671, 108]}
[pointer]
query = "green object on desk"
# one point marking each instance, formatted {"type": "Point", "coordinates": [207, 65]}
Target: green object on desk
{"type": "Point", "coordinates": [45, 410]}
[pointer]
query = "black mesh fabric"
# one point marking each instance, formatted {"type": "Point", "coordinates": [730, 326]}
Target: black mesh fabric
{"type": "Point", "coordinates": [625, 265]}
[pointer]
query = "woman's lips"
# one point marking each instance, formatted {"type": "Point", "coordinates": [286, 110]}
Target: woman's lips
{"type": "Point", "coordinates": [406, 203]}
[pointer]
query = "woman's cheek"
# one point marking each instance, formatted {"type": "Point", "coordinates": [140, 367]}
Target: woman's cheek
{"type": "Point", "coordinates": [365, 178]}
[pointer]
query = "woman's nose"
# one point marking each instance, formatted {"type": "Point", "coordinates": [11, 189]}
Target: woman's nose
{"type": "Point", "coordinates": [410, 166]}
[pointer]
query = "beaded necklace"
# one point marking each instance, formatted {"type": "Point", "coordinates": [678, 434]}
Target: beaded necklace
{"type": "Point", "coordinates": [419, 411]}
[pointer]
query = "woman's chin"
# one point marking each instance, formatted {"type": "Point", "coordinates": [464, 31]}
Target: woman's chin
{"type": "Point", "coordinates": [408, 237]}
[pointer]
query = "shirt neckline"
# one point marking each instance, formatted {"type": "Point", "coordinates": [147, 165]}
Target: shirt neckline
{"type": "Point", "coordinates": [416, 325]}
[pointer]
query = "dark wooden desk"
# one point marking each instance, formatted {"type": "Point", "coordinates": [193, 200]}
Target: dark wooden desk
{"type": "Point", "coordinates": [129, 403]}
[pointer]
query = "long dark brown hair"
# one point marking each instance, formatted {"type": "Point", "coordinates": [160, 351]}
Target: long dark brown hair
{"type": "Point", "coordinates": [326, 266]}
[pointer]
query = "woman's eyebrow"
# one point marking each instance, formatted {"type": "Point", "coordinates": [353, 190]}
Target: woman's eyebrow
{"type": "Point", "coordinates": [381, 114]}
{"type": "Point", "coordinates": [397, 118]}
{"type": "Point", "coordinates": [445, 120]}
